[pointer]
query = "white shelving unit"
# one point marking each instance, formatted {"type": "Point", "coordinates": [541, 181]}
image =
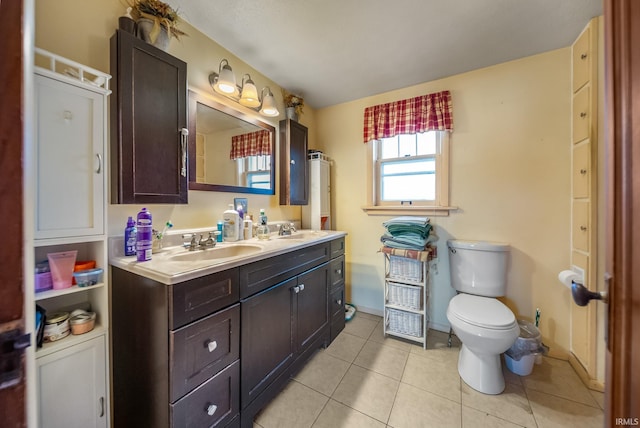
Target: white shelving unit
{"type": "Point", "coordinates": [70, 201]}
{"type": "Point", "coordinates": [406, 293]}
{"type": "Point", "coordinates": [316, 215]}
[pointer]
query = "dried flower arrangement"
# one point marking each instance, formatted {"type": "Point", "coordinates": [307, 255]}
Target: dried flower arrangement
{"type": "Point", "coordinates": [160, 13]}
{"type": "Point", "coordinates": [291, 100]}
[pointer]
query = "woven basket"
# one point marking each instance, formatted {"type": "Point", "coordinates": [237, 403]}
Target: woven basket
{"type": "Point", "coordinates": [405, 269]}
{"type": "Point", "coordinates": [404, 322]}
{"type": "Point", "coordinates": [409, 296]}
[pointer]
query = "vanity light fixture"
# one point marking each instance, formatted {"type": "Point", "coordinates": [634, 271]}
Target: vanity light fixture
{"type": "Point", "coordinates": [224, 83]}
{"type": "Point", "coordinates": [249, 93]}
{"type": "Point", "coordinates": [268, 104]}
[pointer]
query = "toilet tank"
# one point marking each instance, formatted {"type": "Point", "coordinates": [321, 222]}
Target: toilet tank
{"type": "Point", "coordinates": [478, 267]}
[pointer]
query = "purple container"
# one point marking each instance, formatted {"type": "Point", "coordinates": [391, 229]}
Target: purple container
{"type": "Point", "coordinates": [144, 236]}
{"type": "Point", "coordinates": [43, 277]}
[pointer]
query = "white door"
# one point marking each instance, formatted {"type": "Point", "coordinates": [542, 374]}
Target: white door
{"type": "Point", "coordinates": [69, 153]}
{"type": "Point", "coordinates": [72, 386]}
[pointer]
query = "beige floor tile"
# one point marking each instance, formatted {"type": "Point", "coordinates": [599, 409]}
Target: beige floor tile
{"type": "Point", "coordinates": [378, 336]}
{"type": "Point", "coordinates": [297, 406]}
{"type": "Point", "coordinates": [509, 376]}
{"type": "Point", "coordinates": [598, 396]}
{"type": "Point", "coordinates": [383, 359]}
{"type": "Point", "coordinates": [434, 375]}
{"type": "Point", "coordinates": [557, 377]}
{"type": "Point", "coordinates": [337, 415]}
{"type": "Point", "coordinates": [550, 411]}
{"type": "Point", "coordinates": [414, 408]}
{"type": "Point", "coordinates": [512, 405]}
{"type": "Point", "coordinates": [361, 326]}
{"type": "Point", "coordinates": [472, 418]}
{"type": "Point", "coordinates": [372, 317]}
{"type": "Point", "coordinates": [367, 392]}
{"type": "Point", "coordinates": [323, 373]}
{"type": "Point", "coordinates": [346, 347]}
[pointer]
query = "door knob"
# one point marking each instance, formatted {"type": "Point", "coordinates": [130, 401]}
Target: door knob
{"type": "Point", "coordinates": [582, 295]}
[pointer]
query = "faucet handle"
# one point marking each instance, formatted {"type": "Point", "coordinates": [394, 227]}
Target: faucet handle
{"type": "Point", "coordinates": [292, 226]}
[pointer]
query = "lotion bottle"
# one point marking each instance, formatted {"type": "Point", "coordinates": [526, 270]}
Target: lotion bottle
{"type": "Point", "coordinates": [231, 224]}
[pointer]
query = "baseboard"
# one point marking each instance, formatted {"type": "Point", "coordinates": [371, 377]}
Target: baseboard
{"type": "Point", "coordinates": [590, 383]}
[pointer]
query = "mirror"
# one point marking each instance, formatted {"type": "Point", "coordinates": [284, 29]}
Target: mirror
{"type": "Point", "coordinates": [229, 151]}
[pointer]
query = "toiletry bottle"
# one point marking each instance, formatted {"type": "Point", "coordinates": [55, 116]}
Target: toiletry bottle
{"type": "Point", "coordinates": [248, 227]}
{"type": "Point", "coordinates": [221, 230]}
{"type": "Point", "coordinates": [144, 235]}
{"type": "Point", "coordinates": [231, 224]}
{"type": "Point", "coordinates": [130, 238]}
{"type": "Point", "coordinates": [263, 228]}
{"type": "Point", "coordinates": [240, 222]}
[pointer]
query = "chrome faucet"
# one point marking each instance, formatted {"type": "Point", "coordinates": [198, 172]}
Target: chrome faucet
{"type": "Point", "coordinates": [285, 229]}
{"type": "Point", "coordinates": [192, 243]}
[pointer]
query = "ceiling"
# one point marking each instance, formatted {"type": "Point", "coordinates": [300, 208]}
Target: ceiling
{"type": "Point", "coordinates": [334, 51]}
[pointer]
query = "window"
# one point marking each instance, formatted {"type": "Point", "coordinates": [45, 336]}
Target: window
{"type": "Point", "coordinates": [255, 171]}
{"type": "Point", "coordinates": [410, 172]}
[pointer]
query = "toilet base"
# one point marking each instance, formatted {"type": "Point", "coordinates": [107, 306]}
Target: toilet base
{"type": "Point", "coordinates": [482, 372]}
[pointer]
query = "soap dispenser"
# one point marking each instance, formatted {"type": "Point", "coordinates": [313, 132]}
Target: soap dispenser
{"type": "Point", "coordinates": [263, 228]}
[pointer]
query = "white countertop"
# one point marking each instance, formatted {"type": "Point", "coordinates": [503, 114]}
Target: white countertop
{"type": "Point", "coordinates": [168, 269]}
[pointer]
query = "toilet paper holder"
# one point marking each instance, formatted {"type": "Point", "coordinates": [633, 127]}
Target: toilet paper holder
{"type": "Point", "coordinates": [574, 279]}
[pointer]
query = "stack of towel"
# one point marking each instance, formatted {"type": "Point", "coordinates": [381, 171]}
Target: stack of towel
{"type": "Point", "coordinates": [409, 233]}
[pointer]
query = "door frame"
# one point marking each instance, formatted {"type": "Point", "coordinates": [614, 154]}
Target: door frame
{"type": "Point", "coordinates": [622, 92]}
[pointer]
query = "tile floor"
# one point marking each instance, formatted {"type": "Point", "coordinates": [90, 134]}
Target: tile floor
{"type": "Point", "coordinates": [366, 380]}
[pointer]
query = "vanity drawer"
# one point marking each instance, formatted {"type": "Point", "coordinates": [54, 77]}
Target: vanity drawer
{"type": "Point", "coordinates": [202, 349]}
{"type": "Point", "coordinates": [337, 248]}
{"type": "Point", "coordinates": [336, 311]}
{"type": "Point", "coordinates": [213, 404]}
{"type": "Point", "coordinates": [263, 274]}
{"type": "Point", "coordinates": [337, 272]}
{"type": "Point", "coordinates": [197, 298]}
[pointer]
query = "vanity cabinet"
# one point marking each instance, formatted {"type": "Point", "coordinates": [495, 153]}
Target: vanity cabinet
{"type": "Point", "coordinates": [294, 173]}
{"type": "Point", "coordinates": [213, 351]}
{"type": "Point", "coordinates": [149, 123]}
{"type": "Point", "coordinates": [176, 350]}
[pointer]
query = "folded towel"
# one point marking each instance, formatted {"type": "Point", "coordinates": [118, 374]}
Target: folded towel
{"type": "Point", "coordinates": [409, 241]}
{"type": "Point", "coordinates": [408, 220]}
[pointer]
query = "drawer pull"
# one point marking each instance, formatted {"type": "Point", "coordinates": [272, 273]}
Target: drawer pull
{"type": "Point", "coordinates": [583, 171]}
{"type": "Point", "coordinates": [339, 301]}
{"type": "Point", "coordinates": [301, 287]}
{"type": "Point", "coordinates": [583, 228]}
{"type": "Point", "coordinates": [212, 345]}
{"type": "Point", "coordinates": [296, 289]}
{"type": "Point", "coordinates": [211, 409]}
{"type": "Point", "coordinates": [339, 271]}
{"type": "Point", "coordinates": [583, 115]}
{"type": "Point", "coordinates": [583, 56]}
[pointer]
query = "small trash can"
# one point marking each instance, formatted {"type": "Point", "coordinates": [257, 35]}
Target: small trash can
{"type": "Point", "coordinates": [522, 354]}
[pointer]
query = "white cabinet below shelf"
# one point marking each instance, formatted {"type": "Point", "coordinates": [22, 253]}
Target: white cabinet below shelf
{"type": "Point", "coordinates": [72, 386]}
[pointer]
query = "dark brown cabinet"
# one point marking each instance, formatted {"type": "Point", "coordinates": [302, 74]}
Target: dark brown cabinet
{"type": "Point", "coordinates": [294, 173]}
{"type": "Point", "coordinates": [148, 123]}
{"type": "Point", "coordinates": [213, 351]}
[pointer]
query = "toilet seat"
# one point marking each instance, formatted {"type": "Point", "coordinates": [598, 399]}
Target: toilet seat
{"type": "Point", "coordinates": [485, 312]}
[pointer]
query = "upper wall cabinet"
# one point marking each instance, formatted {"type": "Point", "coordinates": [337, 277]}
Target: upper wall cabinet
{"type": "Point", "coordinates": [294, 174]}
{"type": "Point", "coordinates": [148, 123]}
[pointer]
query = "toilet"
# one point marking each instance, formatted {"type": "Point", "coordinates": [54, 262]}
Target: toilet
{"type": "Point", "coordinates": [484, 325]}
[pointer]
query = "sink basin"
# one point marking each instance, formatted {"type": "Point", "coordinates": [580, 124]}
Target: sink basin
{"type": "Point", "coordinates": [216, 253]}
{"type": "Point", "coordinates": [304, 235]}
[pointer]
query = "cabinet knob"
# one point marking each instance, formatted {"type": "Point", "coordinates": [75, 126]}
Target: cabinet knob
{"type": "Point", "coordinates": [211, 409]}
{"type": "Point", "coordinates": [583, 171]}
{"type": "Point", "coordinates": [293, 161]}
{"type": "Point", "coordinates": [301, 287]}
{"type": "Point", "coordinates": [339, 301]}
{"type": "Point", "coordinates": [583, 56]}
{"type": "Point", "coordinates": [339, 271]}
{"type": "Point", "coordinates": [583, 115]}
{"type": "Point", "coordinates": [212, 345]}
{"type": "Point", "coordinates": [583, 228]}
{"type": "Point", "coordinates": [296, 289]}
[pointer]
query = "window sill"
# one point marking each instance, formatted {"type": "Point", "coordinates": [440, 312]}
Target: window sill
{"type": "Point", "coordinates": [408, 210]}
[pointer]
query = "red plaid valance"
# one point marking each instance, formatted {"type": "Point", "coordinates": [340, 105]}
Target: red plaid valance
{"type": "Point", "coordinates": [431, 112]}
{"type": "Point", "coordinates": [252, 144]}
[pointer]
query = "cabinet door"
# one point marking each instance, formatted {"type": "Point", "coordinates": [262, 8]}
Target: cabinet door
{"type": "Point", "coordinates": [267, 339]}
{"type": "Point", "coordinates": [148, 150]}
{"type": "Point", "coordinates": [294, 173]}
{"type": "Point", "coordinates": [325, 190]}
{"type": "Point", "coordinates": [69, 151]}
{"type": "Point", "coordinates": [72, 386]}
{"type": "Point", "coordinates": [312, 315]}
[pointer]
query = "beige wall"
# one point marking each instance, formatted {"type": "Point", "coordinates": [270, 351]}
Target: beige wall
{"type": "Point", "coordinates": [80, 30]}
{"type": "Point", "coordinates": [509, 163]}
{"type": "Point", "coordinates": [510, 166]}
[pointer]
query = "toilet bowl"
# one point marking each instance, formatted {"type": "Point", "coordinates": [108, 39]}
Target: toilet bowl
{"type": "Point", "coordinates": [484, 325]}
{"type": "Point", "coordinates": [486, 328]}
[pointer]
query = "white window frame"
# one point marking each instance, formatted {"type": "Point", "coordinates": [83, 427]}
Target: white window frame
{"type": "Point", "coordinates": [438, 207]}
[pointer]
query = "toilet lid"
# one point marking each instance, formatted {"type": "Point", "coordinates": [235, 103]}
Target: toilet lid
{"type": "Point", "coordinates": [482, 311]}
